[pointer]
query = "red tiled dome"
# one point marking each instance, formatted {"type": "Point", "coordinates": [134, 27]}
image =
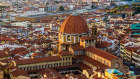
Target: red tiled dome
{"type": "Point", "coordinates": [74, 24]}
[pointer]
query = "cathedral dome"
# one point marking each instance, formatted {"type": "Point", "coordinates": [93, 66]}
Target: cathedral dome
{"type": "Point", "coordinates": [74, 24]}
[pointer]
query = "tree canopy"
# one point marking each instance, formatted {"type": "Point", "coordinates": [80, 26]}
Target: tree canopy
{"type": "Point", "coordinates": [47, 3]}
{"type": "Point", "coordinates": [61, 8]}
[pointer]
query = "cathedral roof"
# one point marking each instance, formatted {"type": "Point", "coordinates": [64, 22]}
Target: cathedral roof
{"type": "Point", "coordinates": [74, 24]}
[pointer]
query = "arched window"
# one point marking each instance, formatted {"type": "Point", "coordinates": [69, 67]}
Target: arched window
{"type": "Point", "coordinates": [80, 37]}
{"type": "Point", "coordinates": [68, 38]}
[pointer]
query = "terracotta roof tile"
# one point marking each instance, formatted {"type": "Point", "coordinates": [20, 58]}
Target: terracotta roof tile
{"type": "Point", "coordinates": [38, 60]}
{"type": "Point", "coordinates": [77, 47]}
{"type": "Point", "coordinates": [17, 73]}
{"type": "Point", "coordinates": [84, 66]}
{"type": "Point", "coordinates": [102, 44]}
{"type": "Point", "coordinates": [37, 54]}
{"type": "Point", "coordinates": [64, 53]}
{"type": "Point", "coordinates": [101, 53]}
{"type": "Point", "coordinates": [6, 39]}
{"type": "Point", "coordinates": [90, 71]}
{"type": "Point", "coordinates": [24, 52]}
{"type": "Point", "coordinates": [95, 63]}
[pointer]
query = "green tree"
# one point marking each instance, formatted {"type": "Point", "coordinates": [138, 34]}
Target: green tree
{"type": "Point", "coordinates": [106, 8]}
{"type": "Point", "coordinates": [106, 20]}
{"type": "Point", "coordinates": [133, 8]}
{"type": "Point", "coordinates": [61, 8]}
{"type": "Point", "coordinates": [134, 4]}
{"type": "Point", "coordinates": [137, 10]}
{"type": "Point", "coordinates": [56, 2]}
{"type": "Point", "coordinates": [2, 8]}
{"type": "Point", "coordinates": [120, 8]}
{"type": "Point", "coordinates": [29, 25]}
{"type": "Point", "coordinates": [138, 4]}
{"type": "Point", "coordinates": [124, 6]}
{"type": "Point", "coordinates": [47, 3]}
{"type": "Point", "coordinates": [133, 14]}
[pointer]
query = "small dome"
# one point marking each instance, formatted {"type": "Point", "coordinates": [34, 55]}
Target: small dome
{"type": "Point", "coordinates": [115, 71]}
{"type": "Point", "coordinates": [74, 24]}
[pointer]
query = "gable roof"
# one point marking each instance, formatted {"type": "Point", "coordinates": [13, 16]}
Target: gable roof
{"type": "Point", "coordinates": [101, 53]}
{"type": "Point", "coordinates": [38, 60]}
{"type": "Point", "coordinates": [17, 73]}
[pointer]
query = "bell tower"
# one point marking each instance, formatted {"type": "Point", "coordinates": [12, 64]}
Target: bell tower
{"type": "Point", "coordinates": [94, 30]}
